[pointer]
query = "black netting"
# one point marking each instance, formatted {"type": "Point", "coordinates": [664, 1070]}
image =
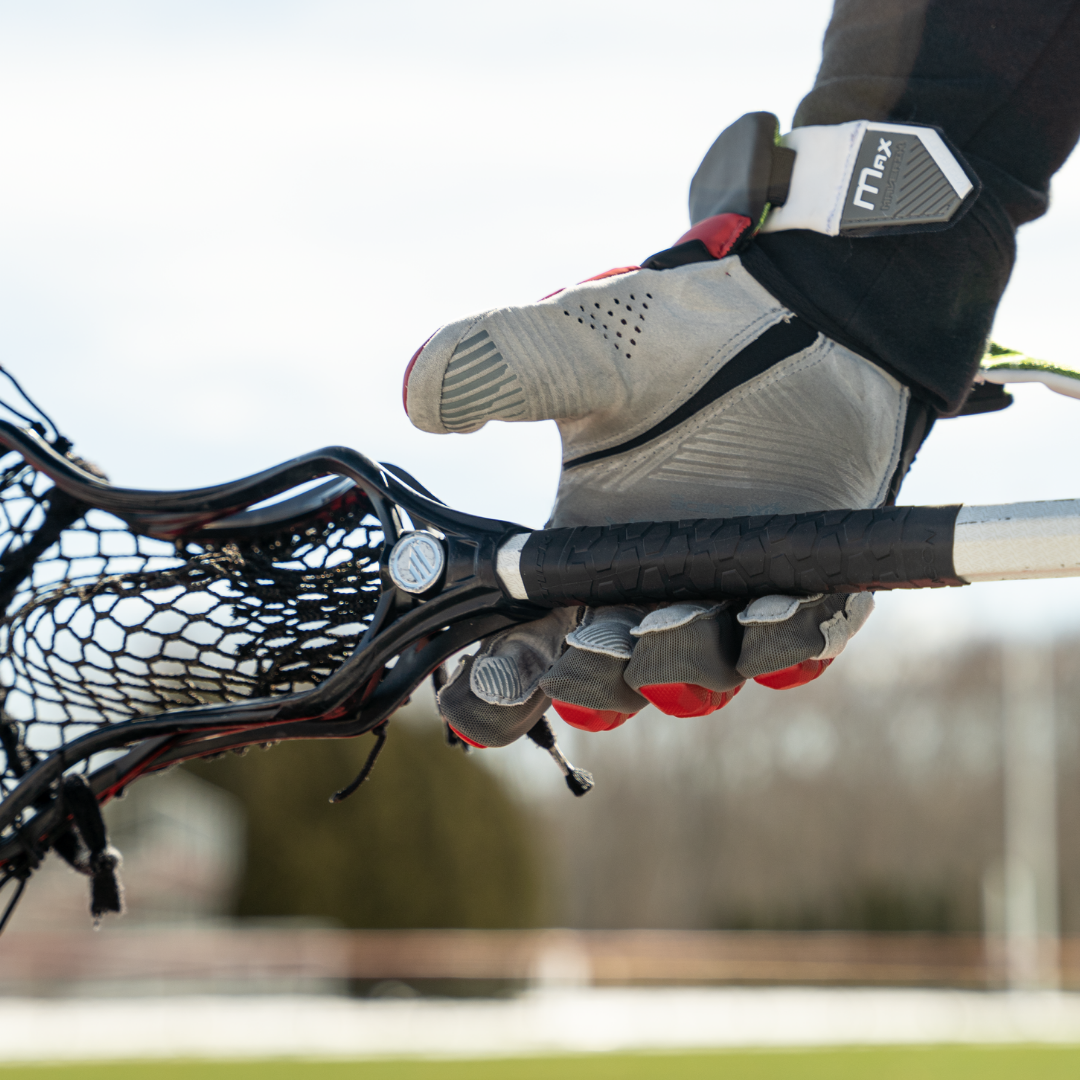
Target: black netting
{"type": "Point", "coordinates": [109, 625]}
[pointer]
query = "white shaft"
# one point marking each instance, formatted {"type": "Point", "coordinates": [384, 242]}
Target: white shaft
{"type": "Point", "coordinates": [1018, 540]}
{"type": "Point", "coordinates": [508, 566]}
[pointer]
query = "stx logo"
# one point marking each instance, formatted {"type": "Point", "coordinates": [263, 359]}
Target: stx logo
{"type": "Point", "coordinates": [884, 152]}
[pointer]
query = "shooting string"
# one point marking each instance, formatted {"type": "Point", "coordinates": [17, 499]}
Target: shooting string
{"type": "Point", "coordinates": [100, 625]}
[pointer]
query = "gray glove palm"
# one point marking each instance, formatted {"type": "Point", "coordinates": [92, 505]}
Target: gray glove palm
{"type": "Point", "coordinates": [681, 393]}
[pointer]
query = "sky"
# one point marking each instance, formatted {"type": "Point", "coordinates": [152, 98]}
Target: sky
{"type": "Point", "coordinates": [225, 228]}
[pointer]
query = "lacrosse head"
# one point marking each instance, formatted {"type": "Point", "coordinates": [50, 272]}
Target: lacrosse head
{"type": "Point", "coordinates": [140, 628]}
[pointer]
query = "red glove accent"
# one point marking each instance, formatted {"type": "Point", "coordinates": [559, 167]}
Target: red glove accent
{"type": "Point", "coordinates": [408, 372]}
{"type": "Point", "coordinates": [466, 739]}
{"type": "Point", "coordinates": [591, 719]}
{"type": "Point", "coordinates": [719, 234]}
{"type": "Point", "coordinates": [597, 277]}
{"type": "Point", "coordinates": [796, 675]}
{"type": "Point", "coordinates": [611, 273]}
{"type": "Point", "coordinates": [686, 699]}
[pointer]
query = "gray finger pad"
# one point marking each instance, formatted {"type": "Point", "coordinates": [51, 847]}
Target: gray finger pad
{"type": "Point", "coordinates": [591, 680]}
{"type": "Point", "coordinates": [770, 647]}
{"type": "Point", "coordinates": [488, 725]}
{"type": "Point", "coordinates": [702, 652]}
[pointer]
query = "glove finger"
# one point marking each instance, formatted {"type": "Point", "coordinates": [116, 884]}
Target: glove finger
{"type": "Point", "coordinates": [564, 357]}
{"type": "Point", "coordinates": [684, 661]}
{"type": "Point", "coordinates": [509, 665]}
{"type": "Point", "coordinates": [493, 697]}
{"type": "Point", "coordinates": [610, 348]}
{"type": "Point", "coordinates": [478, 722]}
{"type": "Point", "coordinates": [790, 640]}
{"type": "Point", "coordinates": [586, 683]}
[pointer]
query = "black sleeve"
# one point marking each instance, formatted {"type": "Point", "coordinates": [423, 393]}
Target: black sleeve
{"type": "Point", "coordinates": [1002, 79]}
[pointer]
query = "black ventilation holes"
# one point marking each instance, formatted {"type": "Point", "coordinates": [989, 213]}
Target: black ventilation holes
{"type": "Point", "coordinates": [615, 302]}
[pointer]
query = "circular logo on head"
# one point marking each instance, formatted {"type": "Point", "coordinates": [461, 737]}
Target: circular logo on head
{"type": "Point", "coordinates": [416, 562]}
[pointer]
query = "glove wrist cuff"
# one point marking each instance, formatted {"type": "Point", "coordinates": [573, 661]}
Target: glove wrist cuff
{"type": "Point", "coordinates": [861, 178]}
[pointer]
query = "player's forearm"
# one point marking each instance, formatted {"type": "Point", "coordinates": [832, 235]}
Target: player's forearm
{"type": "Point", "coordinates": [1001, 80]}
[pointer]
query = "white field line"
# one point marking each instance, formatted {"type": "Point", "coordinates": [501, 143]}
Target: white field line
{"type": "Point", "coordinates": [540, 1022]}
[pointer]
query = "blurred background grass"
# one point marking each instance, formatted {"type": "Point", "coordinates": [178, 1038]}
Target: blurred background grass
{"type": "Point", "coordinates": [908, 1063]}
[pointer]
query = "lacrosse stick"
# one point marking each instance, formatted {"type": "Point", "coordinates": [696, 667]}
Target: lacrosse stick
{"type": "Point", "coordinates": [139, 629]}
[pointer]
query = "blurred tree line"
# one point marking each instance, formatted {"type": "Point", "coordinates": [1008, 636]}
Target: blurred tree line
{"type": "Point", "coordinates": [869, 800]}
{"type": "Point", "coordinates": [432, 839]}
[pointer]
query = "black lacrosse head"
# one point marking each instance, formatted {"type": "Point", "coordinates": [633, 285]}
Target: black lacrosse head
{"type": "Point", "coordinates": [142, 628]}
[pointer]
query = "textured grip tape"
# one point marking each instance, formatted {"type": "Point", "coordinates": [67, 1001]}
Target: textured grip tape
{"type": "Point", "coordinates": [896, 547]}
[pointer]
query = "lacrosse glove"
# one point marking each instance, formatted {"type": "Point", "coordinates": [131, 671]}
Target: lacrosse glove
{"type": "Point", "coordinates": [681, 393]}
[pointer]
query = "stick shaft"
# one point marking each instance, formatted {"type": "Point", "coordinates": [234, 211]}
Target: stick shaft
{"type": "Point", "coordinates": [830, 551]}
{"type": "Point", "coordinates": [1017, 541]}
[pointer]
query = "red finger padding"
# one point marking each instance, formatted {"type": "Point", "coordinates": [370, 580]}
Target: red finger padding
{"type": "Point", "coordinates": [466, 739]}
{"type": "Point", "coordinates": [796, 675]}
{"type": "Point", "coordinates": [590, 719]}
{"type": "Point", "coordinates": [686, 699]}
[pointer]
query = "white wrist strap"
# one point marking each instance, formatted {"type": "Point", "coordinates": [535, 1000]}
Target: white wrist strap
{"type": "Point", "coordinates": [868, 178]}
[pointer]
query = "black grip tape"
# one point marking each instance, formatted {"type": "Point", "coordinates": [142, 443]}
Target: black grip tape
{"type": "Point", "coordinates": [896, 547]}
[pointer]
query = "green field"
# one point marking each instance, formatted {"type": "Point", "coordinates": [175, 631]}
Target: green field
{"type": "Point", "coordinates": [919, 1063]}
